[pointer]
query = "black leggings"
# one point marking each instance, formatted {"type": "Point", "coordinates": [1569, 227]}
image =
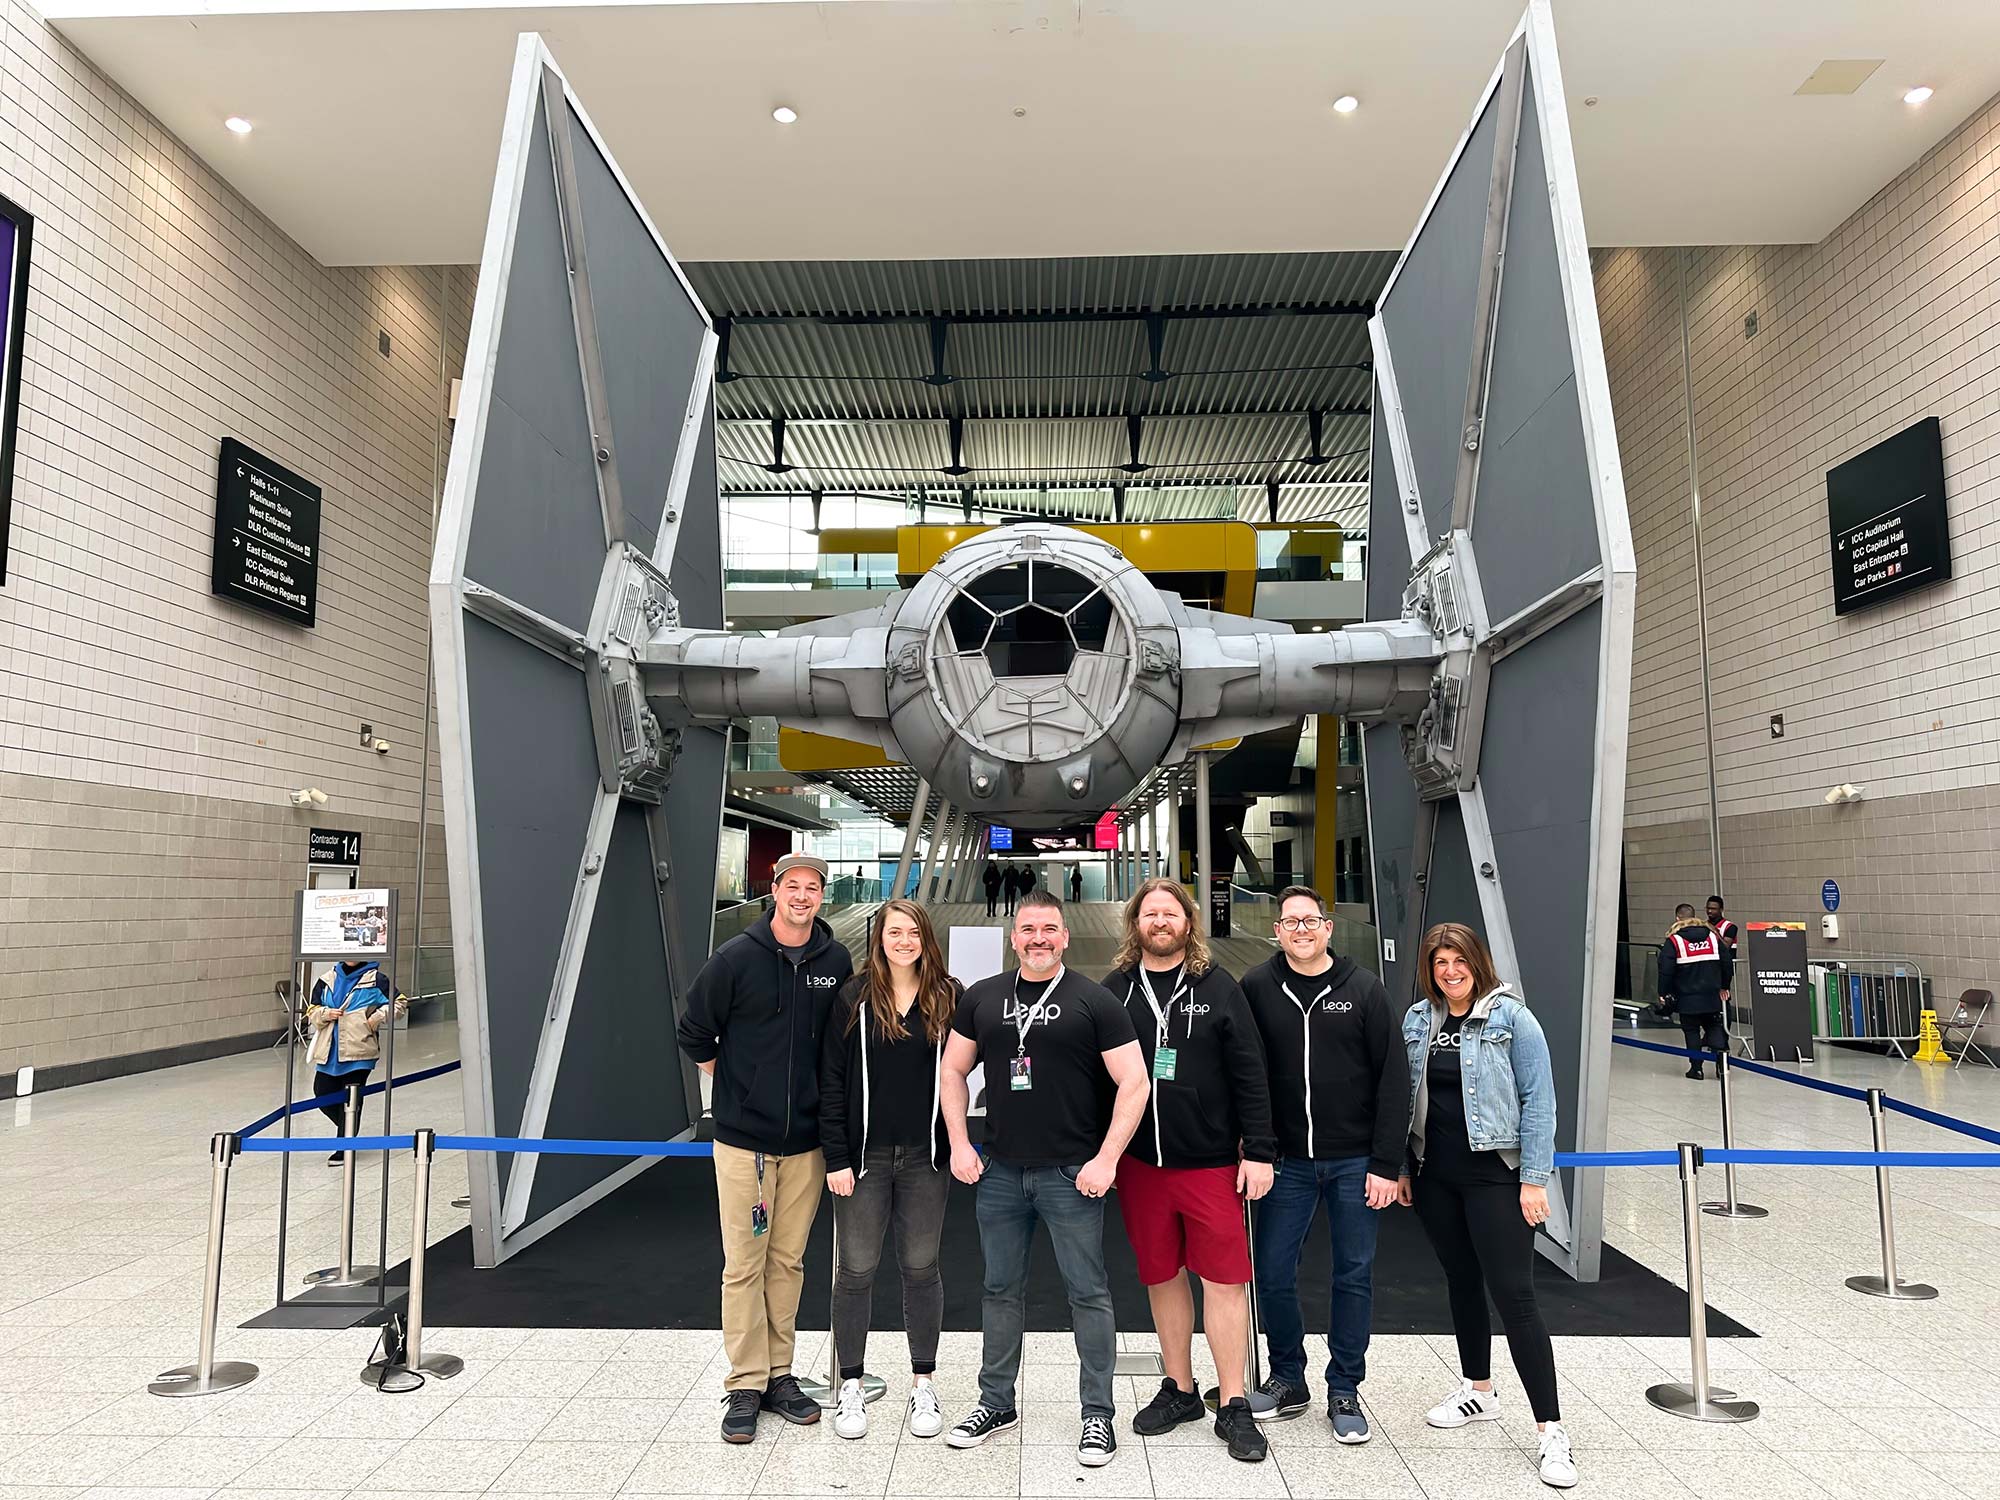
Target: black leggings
{"type": "Point", "coordinates": [336, 1083]}
{"type": "Point", "coordinates": [1485, 1245]}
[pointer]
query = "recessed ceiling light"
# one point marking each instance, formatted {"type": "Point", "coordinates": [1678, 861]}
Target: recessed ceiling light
{"type": "Point", "coordinates": [1346, 104]}
{"type": "Point", "coordinates": [784, 114]}
{"type": "Point", "coordinates": [1918, 94]}
{"type": "Point", "coordinates": [237, 124]}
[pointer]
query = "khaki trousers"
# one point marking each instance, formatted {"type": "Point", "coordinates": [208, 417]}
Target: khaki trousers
{"type": "Point", "coordinates": [762, 1274]}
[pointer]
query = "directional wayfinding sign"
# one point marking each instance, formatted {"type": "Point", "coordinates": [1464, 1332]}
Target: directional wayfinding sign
{"type": "Point", "coordinates": [266, 535]}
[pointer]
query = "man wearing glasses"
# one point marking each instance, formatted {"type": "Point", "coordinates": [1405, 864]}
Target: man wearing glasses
{"type": "Point", "coordinates": [1340, 1099]}
{"type": "Point", "coordinates": [1054, 1044]}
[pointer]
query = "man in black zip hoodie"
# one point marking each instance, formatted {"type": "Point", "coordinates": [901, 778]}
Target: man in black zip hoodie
{"type": "Point", "coordinates": [754, 1018]}
{"type": "Point", "coordinates": [1204, 1145]}
{"type": "Point", "coordinates": [1340, 1098]}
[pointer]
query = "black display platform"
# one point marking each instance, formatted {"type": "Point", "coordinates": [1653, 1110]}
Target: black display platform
{"type": "Point", "coordinates": [650, 1256]}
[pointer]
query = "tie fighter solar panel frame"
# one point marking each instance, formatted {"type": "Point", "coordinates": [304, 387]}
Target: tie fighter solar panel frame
{"type": "Point", "coordinates": [566, 513]}
{"type": "Point", "coordinates": [1537, 645]}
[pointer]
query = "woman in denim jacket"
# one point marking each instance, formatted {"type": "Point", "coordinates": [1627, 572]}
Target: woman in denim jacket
{"type": "Point", "coordinates": [1482, 1145]}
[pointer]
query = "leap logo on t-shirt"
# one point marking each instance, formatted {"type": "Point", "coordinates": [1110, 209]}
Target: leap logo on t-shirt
{"type": "Point", "coordinates": [1446, 1041]}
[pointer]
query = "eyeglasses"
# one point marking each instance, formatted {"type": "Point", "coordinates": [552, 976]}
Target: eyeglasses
{"type": "Point", "coordinates": [1302, 924]}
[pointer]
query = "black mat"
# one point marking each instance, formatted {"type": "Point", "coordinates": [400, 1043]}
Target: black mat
{"type": "Point", "coordinates": [650, 1256]}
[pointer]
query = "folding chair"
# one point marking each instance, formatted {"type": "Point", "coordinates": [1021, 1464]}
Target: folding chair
{"type": "Point", "coordinates": [1972, 1008]}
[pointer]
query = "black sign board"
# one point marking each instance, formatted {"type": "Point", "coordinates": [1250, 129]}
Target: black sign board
{"type": "Point", "coordinates": [1780, 999]}
{"type": "Point", "coordinates": [266, 535]}
{"type": "Point", "coordinates": [1218, 906]}
{"type": "Point", "coordinates": [1886, 510]}
{"type": "Point", "coordinates": [332, 846]}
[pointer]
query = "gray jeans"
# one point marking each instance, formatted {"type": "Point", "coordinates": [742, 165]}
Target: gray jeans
{"type": "Point", "coordinates": [900, 1184]}
{"type": "Point", "coordinates": [1011, 1201]}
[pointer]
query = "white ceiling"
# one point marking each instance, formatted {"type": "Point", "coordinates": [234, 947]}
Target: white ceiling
{"type": "Point", "coordinates": [1151, 126]}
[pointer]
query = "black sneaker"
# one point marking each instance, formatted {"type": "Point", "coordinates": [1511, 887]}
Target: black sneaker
{"type": "Point", "coordinates": [1282, 1400]}
{"type": "Point", "coordinates": [1099, 1442]}
{"type": "Point", "coordinates": [784, 1397]}
{"type": "Point", "coordinates": [1349, 1425]}
{"type": "Point", "coordinates": [981, 1423]}
{"type": "Point", "coordinates": [1695, 1074]}
{"type": "Point", "coordinates": [1168, 1410]}
{"type": "Point", "coordinates": [335, 1159]}
{"type": "Point", "coordinates": [1237, 1427]}
{"type": "Point", "coordinates": [739, 1422]}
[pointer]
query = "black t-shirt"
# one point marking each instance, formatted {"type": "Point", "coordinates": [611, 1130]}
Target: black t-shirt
{"type": "Point", "coordinates": [900, 1078]}
{"type": "Point", "coordinates": [1448, 1149]}
{"type": "Point", "coordinates": [1059, 1119]}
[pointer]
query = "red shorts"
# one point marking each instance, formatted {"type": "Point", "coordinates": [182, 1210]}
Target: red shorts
{"type": "Point", "coordinates": [1184, 1216]}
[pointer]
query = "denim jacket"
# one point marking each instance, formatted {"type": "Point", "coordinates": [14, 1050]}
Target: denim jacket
{"type": "Point", "coordinates": [1510, 1094]}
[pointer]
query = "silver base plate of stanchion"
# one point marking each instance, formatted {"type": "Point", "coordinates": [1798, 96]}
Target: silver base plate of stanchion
{"type": "Point", "coordinates": [873, 1389]}
{"type": "Point", "coordinates": [1902, 1291]}
{"type": "Point", "coordinates": [227, 1375]}
{"type": "Point", "coordinates": [1723, 1210]}
{"type": "Point", "coordinates": [1144, 1363]}
{"type": "Point", "coordinates": [1721, 1406]}
{"type": "Point", "coordinates": [396, 1379]}
{"type": "Point", "coordinates": [464, 1201]}
{"type": "Point", "coordinates": [330, 1276]}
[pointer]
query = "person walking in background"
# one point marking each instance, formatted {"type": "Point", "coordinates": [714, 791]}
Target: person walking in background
{"type": "Point", "coordinates": [350, 1004]}
{"type": "Point", "coordinates": [755, 1016]}
{"type": "Point", "coordinates": [888, 1155]}
{"type": "Point", "coordinates": [1203, 1148]}
{"type": "Point", "coordinates": [1075, 883]}
{"type": "Point", "coordinates": [1056, 1049]}
{"type": "Point", "coordinates": [1696, 968]}
{"type": "Point", "coordinates": [1014, 887]}
{"type": "Point", "coordinates": [1340, 1100]}
{"type": "Point", "coordinates": [990, 878]}
{"type": "Point", "coordinates": [1481, 1148]}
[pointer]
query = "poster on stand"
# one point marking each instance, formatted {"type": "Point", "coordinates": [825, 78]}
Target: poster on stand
{"type": "Point", "coordinates": [344, 924]}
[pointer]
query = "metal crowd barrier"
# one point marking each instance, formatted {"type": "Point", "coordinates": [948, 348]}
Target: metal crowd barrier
{"type": "Point", "coordinates": [1868, 998]}
{"type": "Point", "coordinates": [1697, 1399]}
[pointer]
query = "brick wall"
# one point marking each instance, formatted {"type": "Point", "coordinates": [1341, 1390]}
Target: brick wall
{"type": "Point", "coordinates": [1894, 317]}
{"type": "Point", "coordinates": [149, 732]}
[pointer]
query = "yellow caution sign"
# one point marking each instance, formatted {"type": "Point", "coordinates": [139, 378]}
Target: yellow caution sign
{"type": "Point", "coordinates": [1932, 1048]}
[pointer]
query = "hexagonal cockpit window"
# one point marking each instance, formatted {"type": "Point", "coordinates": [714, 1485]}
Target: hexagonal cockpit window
{"type": "Point", "coordinates": [1030, 619]}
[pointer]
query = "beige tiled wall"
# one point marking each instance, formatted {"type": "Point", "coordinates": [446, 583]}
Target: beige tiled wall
{"type": "Point", "coordinates": [1895, 317]}
{"type": "Point", "coordinates": [149, 732]}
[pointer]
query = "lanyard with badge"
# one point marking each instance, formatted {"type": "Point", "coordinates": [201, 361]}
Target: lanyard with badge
{"type": "Point", "coordinates": [1020, 1070]}
{"type": "Point", "coordinates": [1166, 1058]}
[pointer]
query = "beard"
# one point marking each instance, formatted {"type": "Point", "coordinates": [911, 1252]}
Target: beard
{"type": "Point", "coordinates": [1163, 944]}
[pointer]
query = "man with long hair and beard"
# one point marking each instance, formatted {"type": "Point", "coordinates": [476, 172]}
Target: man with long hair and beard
{"type": "Point", "coordinates": [1204, 1147]}
{"type": "Point", "coordinates": [888, 1158]}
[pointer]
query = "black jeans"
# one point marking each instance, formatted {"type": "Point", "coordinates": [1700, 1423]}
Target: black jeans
{"type": "Point", "coordinates": [1704, 1034]}
{"type": "Point", "coordinates": [336, 1083]}
{"type": "Point", "coordinates": [1485, 1245]}
{"type": "Point", "coordinates": [900, 1184]}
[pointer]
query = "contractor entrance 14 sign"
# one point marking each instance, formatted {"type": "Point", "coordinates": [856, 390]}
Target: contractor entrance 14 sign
{"type": "Point", "coordinates": [1885, 508]}
{"type": "Point", "coordinates": [266, 535]}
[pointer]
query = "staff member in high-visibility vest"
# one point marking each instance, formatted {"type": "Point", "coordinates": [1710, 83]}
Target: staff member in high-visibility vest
{"type": "Point", "coordinates": [1696, 967]}
{"type": "Point", "coordinates": [1720, 925]}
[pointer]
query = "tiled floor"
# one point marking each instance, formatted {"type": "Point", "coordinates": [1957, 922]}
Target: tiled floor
{"type": "Point", "coordinates": [103, 1200]}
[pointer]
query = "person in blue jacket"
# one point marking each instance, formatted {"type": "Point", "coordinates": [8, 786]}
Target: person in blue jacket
{"type": "Point", "coordinates": [1482, 1149]}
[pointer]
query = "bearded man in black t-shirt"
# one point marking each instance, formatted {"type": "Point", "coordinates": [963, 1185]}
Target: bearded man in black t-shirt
{"type": "Point", "coordinates": [1054, 1046]}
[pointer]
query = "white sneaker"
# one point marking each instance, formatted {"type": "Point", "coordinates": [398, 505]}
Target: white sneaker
{"type": "Point", "coordinates": [1558, 1468]}
{"type": "Point", "coordinates": [926, 1417]}
{"type": "Point", "coordinates": [1467, 1404]}
{"type": "Point", "coordinates": [850, 1417]}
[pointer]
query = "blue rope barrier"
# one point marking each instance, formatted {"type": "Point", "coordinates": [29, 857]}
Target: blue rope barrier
{"type": "Point", "coordinates": [1943, 1122]}
{"type": "Point", "coordinates": [1633, 1041]}
{"type": "Point", "coordinates": [555, 1147]}
{"type": "Point", "coordinates": [1617, 1158]}
{"type": "Point", "coordinates": [282, 1146]}
{"type": "Point", "coordinates": [1742, 1157]}
{"type": "Point", "coordinates": [300, 1106]}
{"type": "Point", "coordinates": [1841, 1089]}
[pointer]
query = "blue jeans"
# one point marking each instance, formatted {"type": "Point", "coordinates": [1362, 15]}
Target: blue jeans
{"type": "Point", "coordinates": [1011, 1201]}
{"type": "Point", "coordinates": [1284, 1217]}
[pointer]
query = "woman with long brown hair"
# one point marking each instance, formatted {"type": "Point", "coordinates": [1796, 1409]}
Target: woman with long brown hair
{"type": "Point", "coordinates": [887, 1155]}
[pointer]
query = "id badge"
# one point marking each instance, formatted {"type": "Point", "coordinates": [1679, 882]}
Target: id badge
{"type": "Point", "coordinates": [1020, 1074]}
{"type": "Point", "coordinates": [760, 1220]}
{"type": "Point", "coordinates": [1164, 1059]}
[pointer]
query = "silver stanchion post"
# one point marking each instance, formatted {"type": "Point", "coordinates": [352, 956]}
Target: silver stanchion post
{"type": "Point", "coordinates": [1888, 1284]}
{"type": "Point", "coordinates": [1697, 1400]}
{"type": "Point", "coordinates": [347, 1273]}
{"type": "Point", "coordinates": [827, 1393]}
{"type": "Point", "coordinates": [1730, 1207]}
{"type": "Point", "coordinates": [1253, 1359]}
{"type": "Point", "coordinates": [406, 1374]}
{"type": "Point", "coordinates": [205, 1377]}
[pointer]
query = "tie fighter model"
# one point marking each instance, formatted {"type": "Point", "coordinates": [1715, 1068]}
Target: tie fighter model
{"type": "Point", "coordinates": [1034, 676]}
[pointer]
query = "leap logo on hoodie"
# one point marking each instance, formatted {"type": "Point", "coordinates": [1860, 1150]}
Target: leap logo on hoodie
{"type": "Point", "coordinates": [821, 981]}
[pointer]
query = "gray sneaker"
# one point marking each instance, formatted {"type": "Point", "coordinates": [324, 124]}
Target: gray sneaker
{"type": "Point", "coordinates": [1349, 1425]}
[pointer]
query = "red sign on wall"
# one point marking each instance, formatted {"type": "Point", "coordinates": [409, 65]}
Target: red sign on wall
{"type": "Point", "coordinates": [1106, 832]}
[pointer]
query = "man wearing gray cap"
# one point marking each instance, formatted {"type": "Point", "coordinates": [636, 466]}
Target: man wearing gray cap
{"type": "Point", "coordinates": [754, 1019]}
